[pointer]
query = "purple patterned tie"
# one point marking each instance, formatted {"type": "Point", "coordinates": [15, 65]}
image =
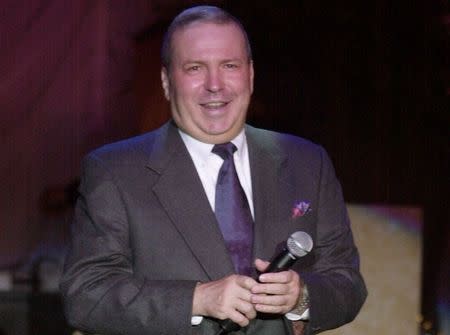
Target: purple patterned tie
{"type": "Point", "coordinates": [233, 212]}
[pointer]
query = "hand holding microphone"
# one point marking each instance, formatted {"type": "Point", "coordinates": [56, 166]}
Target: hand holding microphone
{"type": "Point", "coordinates": [277, 293]}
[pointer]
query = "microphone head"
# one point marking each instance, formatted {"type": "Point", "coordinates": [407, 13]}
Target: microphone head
{"type": "Point", "coordinates": [299, 244]}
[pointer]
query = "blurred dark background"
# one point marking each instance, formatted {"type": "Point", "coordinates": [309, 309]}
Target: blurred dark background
{"type": "Point", "coordinates": [369, 80]}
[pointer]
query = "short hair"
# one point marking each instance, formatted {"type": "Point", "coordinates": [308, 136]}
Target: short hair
{"type": "Point", "coordinates": [208, 14]}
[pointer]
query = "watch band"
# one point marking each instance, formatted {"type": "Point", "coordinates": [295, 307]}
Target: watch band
{"type": "Point", "coordinates": [301, 307]}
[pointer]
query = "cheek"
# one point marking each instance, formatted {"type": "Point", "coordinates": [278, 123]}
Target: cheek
{"type": "Point", "coordinates": [186, 86]}
{"type": "Point", "coordinates": [242, 84]}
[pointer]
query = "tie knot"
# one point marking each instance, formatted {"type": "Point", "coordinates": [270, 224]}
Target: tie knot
{"type": "Point", "coordinates": [224, 150]}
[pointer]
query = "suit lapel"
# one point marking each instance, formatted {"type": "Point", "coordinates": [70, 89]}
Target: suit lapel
{"type": "Point", "coordinates": [271, 193]}
{"type": "Point", "coordinates": [182, 196]}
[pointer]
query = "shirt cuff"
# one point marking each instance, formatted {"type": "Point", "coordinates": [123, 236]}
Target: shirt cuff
{"type": "Point", "coordinates": [295, 317]}
{"type": "Point", "coordinates": [196, 320]}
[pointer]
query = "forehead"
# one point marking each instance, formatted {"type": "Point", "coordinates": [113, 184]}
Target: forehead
{"type": "Point", "coordinates": [205, 38]}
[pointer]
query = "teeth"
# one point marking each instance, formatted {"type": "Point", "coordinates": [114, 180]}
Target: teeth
{"type": "Point", "coordinates": [214, 104]}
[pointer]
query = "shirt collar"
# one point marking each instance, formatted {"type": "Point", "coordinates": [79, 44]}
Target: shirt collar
{"type": "Point", "coordinates": [202, 150]}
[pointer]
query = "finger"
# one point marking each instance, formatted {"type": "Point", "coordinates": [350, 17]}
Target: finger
{"type": "Point", "coordinates": [238, 291]}
{"type": "Point", "coordinates": [278, 277]}
{"type": "Point", "coordinates": [238, 318]}
{"type": "Point", "coordinates": [273, 289]}
{"type": "Point", "coordinates": [270, 309]}
{"type": "Point", "coordinates": [243, 295]}
{"type": "Point", "coordinates": [247, 309]}
{"type": "Point", "coordinates": [273, 304]}
{"type": "Point", "coordinates": [275, 298]}
{"type": "Point", "coordinates": [242, 313]}
{"type": "Point", "coordinates": [261, 265]}
{"type": "Point", "coordinates": [272, 300]}
{"type": "Point", "coordinates": [245, 282]}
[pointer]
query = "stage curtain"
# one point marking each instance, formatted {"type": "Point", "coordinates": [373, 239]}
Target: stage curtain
{"type": "Point", "coordinates": [66, 70]}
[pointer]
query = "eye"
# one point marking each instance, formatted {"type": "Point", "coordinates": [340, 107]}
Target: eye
{"type": "Point", "coordinates": [231, 66]}
{"type": "Point", "coordinates": [193, 68]}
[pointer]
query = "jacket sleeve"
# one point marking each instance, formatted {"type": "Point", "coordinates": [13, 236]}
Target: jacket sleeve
{"type": "Point", "coordinates": [101, 291]}
{"type": "Point", "coordinates": [336, 287]}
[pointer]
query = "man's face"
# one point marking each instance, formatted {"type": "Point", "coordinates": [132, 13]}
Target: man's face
{"type": "Point", "coordinates": [210, 81]}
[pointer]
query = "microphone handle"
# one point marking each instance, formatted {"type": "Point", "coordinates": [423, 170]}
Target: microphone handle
{"type": "Point", "coordinates": [283, 261]}
{"type": "Point", "coordinates": [227, 326]}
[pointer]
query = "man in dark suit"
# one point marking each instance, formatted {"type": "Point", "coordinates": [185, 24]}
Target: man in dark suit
{"type": "Point", "coordinates": [148, 255]}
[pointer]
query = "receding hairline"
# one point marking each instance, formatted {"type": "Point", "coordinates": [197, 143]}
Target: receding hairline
{"type": "Point", "coordinates": [199, 14]}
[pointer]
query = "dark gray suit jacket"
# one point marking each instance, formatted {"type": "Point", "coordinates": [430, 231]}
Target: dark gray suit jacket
{"type": "Point", "coordinates": [144, 235]}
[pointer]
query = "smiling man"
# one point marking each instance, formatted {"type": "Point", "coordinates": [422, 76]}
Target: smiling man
{"type": "Point", "coordinates": [209, 80]}
{"type": "Point", "coordinates": [173, 228]}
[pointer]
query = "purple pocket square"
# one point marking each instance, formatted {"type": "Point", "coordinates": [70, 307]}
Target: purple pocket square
{"type": "Point", "coordinates": [300, 209]}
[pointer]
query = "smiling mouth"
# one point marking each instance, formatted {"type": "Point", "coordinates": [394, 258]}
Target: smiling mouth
{"type": "Point", "coordinates": [214, 104]}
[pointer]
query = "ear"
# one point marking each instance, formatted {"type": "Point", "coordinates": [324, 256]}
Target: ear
{"type": "Point", "coordinates": [165, 83]}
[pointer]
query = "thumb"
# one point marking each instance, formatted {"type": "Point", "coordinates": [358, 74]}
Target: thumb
{"type": "Point", "coordinates": [261, 265]}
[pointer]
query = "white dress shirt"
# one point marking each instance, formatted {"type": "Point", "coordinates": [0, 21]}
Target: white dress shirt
{"type": "Point", "coordinates": [208, 165]}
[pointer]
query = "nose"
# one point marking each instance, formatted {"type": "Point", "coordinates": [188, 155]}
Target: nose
{"type": "Point", "coordinates": [213, 80]}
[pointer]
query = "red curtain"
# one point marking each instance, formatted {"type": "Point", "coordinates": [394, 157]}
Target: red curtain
{"type": "Point", "coordinates": [66, 70]}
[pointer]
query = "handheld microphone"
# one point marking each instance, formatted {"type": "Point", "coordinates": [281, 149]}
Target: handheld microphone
{"type": "Point", "coordinates": [299, 244]}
